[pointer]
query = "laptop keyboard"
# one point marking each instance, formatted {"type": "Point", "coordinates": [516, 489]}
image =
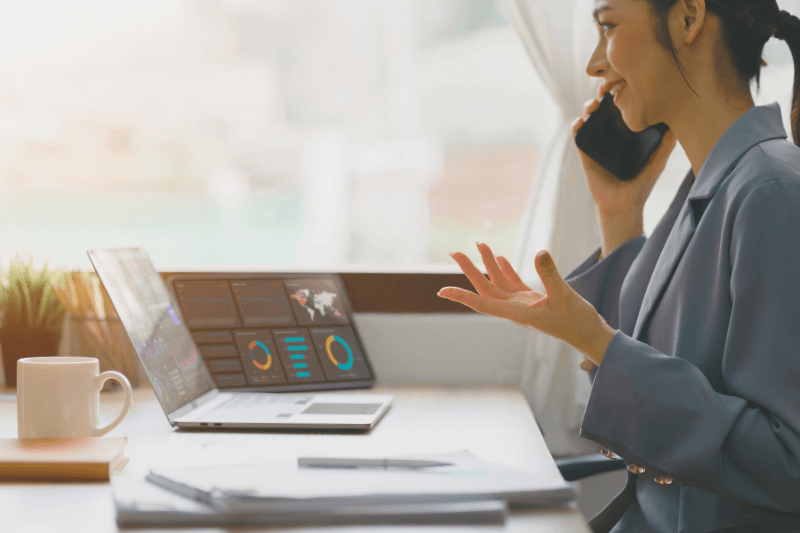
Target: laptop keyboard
{"type": "Point", "coordinates": [257, 407]}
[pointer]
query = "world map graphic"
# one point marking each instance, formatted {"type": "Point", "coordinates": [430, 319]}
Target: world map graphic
{"type": "Point", "coordinates": [317, 303]}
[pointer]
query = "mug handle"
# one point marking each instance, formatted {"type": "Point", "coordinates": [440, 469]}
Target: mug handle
{"type": "Point", "coordinates": [126, 385]}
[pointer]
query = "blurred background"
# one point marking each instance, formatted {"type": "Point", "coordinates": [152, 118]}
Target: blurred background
{"type": "Point", "coordinates": [265, 133]}
{"type": "Point", "coordinates": [274, 133]}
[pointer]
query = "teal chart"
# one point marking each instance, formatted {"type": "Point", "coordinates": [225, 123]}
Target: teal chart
{"type": "Point", "coordinates": [298, 355]}
{"type": "Point", "coordinates": [259, 357]}
{"type": "Point", "coordinates": [339, 353]}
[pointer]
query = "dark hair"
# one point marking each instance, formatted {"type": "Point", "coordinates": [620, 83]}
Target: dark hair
{"type": "Point", "coordinates": [746, 26]}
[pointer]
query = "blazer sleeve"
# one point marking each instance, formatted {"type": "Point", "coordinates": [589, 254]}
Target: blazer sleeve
{"type": "Point", "coordinates": [600, 283]}
{"type": "Point", "coordinates": [661, 413]}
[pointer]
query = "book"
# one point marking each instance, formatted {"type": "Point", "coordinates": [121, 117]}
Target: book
{"type": "Point", "coordinates": [265, 487]}
{"type": "Point", "coordinates": [142, 504]}
{"type": "Point", "coordinates": [65, 459]}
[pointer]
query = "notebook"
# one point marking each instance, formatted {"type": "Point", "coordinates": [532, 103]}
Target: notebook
{"type": "Point", "coordinates": [67, 459]}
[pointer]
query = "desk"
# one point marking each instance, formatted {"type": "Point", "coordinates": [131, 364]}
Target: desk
{"type": "Point", "coordinates": [494, 423]}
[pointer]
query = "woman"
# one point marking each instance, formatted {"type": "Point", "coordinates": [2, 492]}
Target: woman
{"type": "Point", "coordinates": [694, 331]}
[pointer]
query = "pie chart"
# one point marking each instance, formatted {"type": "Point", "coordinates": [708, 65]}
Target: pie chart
{"type": "Point", "coordinates": [259, 344]}
{"type": "Point", "coordinates": [329, 344]}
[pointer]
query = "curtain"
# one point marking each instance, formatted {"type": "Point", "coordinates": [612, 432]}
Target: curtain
{"type": "Point", "coordinates": [559, 36]}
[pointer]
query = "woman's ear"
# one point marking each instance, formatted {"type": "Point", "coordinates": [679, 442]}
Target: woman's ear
{"type": "Point", "coordinates": [687, 19]}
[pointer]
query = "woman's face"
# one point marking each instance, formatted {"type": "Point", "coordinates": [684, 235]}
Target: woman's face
{"type": "Point", "coordinates": [633, 65]}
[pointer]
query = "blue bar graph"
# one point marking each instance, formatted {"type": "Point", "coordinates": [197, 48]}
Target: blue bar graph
{"type": "Point", "coordinates": [298, 348]}
{"type": "Point", "coordinates": [298, 356]}
{"type": "Point", "coordinates": [300, 365]}
{"type": "Point", "coordinates": [294, 339]}
{"type": "Point", "coordinates": [303, 374]}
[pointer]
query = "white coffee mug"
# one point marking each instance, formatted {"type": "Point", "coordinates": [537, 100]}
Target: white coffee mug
{"type": "Point", "coordinates": [60, 397]}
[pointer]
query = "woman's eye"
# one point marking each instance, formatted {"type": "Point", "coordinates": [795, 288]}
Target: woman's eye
{"type": "Point", "coordinates": [606, 26]}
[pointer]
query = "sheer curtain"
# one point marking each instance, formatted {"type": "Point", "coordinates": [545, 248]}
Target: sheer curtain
{"type": "Point", "coordinates": [558, 35]}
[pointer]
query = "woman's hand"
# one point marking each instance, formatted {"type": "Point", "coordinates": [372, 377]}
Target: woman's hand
{"type": "Point", "coordinates": [612, 196]}
{"type": "Point", "coordinates": [561, 312]}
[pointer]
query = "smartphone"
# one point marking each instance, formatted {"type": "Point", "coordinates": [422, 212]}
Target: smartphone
{"type": "Point", "coordinates": [605, 138]}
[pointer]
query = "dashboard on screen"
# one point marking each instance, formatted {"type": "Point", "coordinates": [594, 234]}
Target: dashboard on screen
{"type": "Point", "coordinates": [273, 331]}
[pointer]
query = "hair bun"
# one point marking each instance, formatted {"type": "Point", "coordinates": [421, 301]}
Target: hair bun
{"type": "Point", "coordinates": [788, 27]}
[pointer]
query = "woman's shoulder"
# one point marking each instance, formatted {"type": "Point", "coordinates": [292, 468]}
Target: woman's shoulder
{"type": "Point", "coordinates": [772, 164]}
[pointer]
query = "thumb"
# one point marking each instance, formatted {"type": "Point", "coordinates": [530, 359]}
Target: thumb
{"type": "Point", "coordinates": [551, 279]}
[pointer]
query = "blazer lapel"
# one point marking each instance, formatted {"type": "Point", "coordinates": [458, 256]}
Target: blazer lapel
{"type": "Point", "coordinates": [758, 124]}
{"type": "Point", "coordinates": [641, 271]}
{"type": "Point", "coordinates": [673, 250]}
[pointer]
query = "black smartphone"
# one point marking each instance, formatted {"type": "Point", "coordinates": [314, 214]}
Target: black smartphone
{"type": "Point", "coordinates": [605, 138]}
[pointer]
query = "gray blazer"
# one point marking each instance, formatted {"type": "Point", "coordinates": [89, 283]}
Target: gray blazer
{"type": "Point", "coordinates": [700, 385]}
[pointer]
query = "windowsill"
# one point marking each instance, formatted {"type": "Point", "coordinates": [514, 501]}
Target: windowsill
{"type": "Point", "coordinates": [392, 291]}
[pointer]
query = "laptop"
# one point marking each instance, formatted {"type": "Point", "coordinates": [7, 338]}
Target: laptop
{"type": "Point", "coordinates": [187, 390]}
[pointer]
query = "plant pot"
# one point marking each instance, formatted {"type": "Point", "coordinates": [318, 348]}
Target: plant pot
{"type": "Point", "coordinates": [19, 343]}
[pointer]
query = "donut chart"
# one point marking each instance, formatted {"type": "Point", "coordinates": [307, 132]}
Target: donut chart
{"type": "Point", "coordinates": [329, 342]}
{"type": "Point", "coordinates": [258, 365]}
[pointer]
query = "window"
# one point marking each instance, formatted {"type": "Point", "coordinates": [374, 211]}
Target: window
{"type": "Point", "coordinates": [300, 133]}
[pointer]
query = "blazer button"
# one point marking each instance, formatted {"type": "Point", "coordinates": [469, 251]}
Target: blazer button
{"type": "Point", "coordinates": [608, 454]}
{"type": "Point", "coordinates": [635, 469]}
{"type": "Point", "coordinates": [663, 480]}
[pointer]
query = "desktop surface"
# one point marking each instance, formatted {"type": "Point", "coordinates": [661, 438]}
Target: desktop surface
{"type": "Point", "coordinates": [493, 422]}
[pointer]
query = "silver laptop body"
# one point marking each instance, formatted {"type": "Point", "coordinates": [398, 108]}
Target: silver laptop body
{"type": "Point", "coordinates": [179, 376]}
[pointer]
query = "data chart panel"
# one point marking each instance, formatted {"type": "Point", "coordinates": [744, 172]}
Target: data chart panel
{"type": "Point", "coordinates": [212, 337]}
{"type": "Point", "coordinates": [207, 304]}
{"type": "Point", "coordinates": [213, 351]}
{"type": "Point", "coordinates": [262, 303]}
{"type": "Point", "coordinates": [298, 355]}
{"type": "Point", "coordinates": [316, 302]}
{"type": "Point", "coordinates": [339, 353]}
{"type": "Point", "coordinates": [259, 357]}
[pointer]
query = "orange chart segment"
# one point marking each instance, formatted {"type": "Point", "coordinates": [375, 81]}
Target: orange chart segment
{"type": "Point", "coordinates": [347, 365]}
{"type": "Point", "coordinates": [256, 347]}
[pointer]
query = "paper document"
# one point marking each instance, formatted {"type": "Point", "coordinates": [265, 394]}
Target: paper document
{"type": "Point", "coordinates": [280, 486]}
{"type": "Point", "coordinates": [142, 504]}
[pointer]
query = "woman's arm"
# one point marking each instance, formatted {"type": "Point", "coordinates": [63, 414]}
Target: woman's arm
{"type": "Point", "coordinates": [661, 412]}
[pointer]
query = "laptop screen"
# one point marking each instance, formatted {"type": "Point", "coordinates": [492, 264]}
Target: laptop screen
{"type": "Point", "coordinates": [273, 332]}
{"type": "Point", "coordinates": [159, 335]}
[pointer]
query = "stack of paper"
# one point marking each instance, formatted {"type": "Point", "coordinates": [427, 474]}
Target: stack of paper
{"type": "Point", "coordinates": [470, 490]}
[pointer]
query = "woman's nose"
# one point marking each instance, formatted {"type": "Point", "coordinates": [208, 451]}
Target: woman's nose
{"type": "Point", "coordinates": [598, 63]}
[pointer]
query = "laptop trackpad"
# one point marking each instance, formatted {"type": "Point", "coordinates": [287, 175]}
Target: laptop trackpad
{"type": "Point", "coordinates": [341, 409]}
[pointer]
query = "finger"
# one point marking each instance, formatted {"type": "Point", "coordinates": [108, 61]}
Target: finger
{"type": "Point", "coordinates": [511, 274]}
{"type": "Point", "coordinates": [493, 269]}
{"type": "Point", "coordinates": [590, 106]}
{"type": "Point", "coordinates": [476, 302]}
{"type": "Point", "coordinates": [476, 277]}
{"type": "Point", "coordinates": [553, 283]}
{"type": "Point", "coordinates": [576, 125]}
{"type": "Point", "coordinates": [587, 365]}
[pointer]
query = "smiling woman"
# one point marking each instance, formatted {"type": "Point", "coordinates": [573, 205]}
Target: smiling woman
{"type": "Point", "coordinates": [690, 334]}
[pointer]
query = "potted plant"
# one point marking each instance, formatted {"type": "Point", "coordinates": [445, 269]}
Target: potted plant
{"type": "Point", "coordinates": [31, 314]}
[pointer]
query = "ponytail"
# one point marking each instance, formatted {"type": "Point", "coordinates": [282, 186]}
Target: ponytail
{"type": "Point", "coordinates": [788, 29]}
{"type": "Point", "coordinates": [746, 26]}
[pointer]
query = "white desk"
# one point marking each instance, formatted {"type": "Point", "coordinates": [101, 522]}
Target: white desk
{"type": "Point", "coordinates": [494, 423]}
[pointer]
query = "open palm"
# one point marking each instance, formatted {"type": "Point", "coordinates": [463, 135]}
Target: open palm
{"type": "Point", "coordinates": [559, 312]}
